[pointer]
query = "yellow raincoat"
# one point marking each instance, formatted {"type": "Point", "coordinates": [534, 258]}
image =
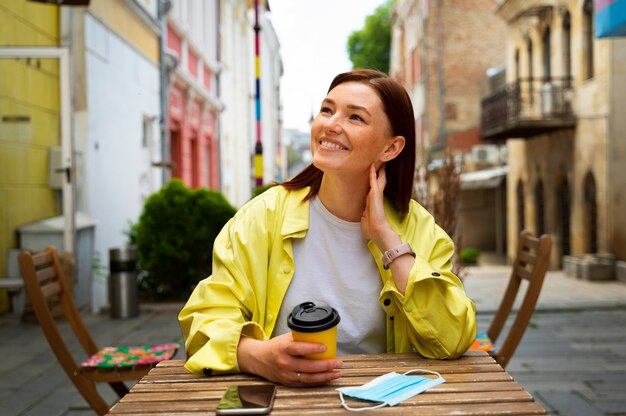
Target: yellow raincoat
{"type": "Point", "coordinates": [253, 266]}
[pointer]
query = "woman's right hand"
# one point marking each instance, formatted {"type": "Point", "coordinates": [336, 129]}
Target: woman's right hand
{"type": "Point", "coordinates": [280, 360]}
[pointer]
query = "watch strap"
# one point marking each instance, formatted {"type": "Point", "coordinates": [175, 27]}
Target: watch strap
{"type": "Point", "coordinates": [390, 255]}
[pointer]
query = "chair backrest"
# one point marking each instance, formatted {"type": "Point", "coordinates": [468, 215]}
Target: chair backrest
{"type": "Point", "coordinates": [44, 281]}
{"type": "Point", "coordinates": [531, 264]}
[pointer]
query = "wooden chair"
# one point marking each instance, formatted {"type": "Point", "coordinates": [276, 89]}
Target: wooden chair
{"type": "Point", "coordinates": [531, 264]}
{"type": "Point", "coordinates": [44, 280]}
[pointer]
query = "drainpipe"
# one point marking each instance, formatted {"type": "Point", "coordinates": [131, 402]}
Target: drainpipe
{"type": "Point", "coordinates": [163, 7]}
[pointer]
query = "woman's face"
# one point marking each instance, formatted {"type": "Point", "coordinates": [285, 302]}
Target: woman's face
{"type": "Point", "coordinates": [351, 130]}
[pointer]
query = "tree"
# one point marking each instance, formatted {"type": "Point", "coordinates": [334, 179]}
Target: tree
{"type": "Point", "coordinates": [370, 47]}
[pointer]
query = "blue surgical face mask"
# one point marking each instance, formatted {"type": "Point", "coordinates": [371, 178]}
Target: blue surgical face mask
{"type": "Point", "coordinates": [390, 389]}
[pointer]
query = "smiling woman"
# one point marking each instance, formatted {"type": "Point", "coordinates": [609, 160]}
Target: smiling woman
{"type": "Point", "coordinates": [347, 137]}
{"type": "Point", "coordinates": [336, 234]}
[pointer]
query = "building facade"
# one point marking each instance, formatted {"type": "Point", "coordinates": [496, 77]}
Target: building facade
{"type": "Point", "coordinates": [239, 132]}
{"type": "Point", "coordinates": [29, 124]}
{"type": "Point", "coordinates": [116, 87]}
{"type": "Point", "coordinates": [441, 52]}
{"type": "Point", "coordinates": [193, 102]}
{"type": "Point", "coordinates": [95, 162]}
{"type": "Point", "coordinates": [561, 115]}
{"type": "Point", "coordinates": [80, 136]}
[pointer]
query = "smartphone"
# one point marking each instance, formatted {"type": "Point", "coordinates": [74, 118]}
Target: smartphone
{"type": "Point", "coordinates": [247, 400]}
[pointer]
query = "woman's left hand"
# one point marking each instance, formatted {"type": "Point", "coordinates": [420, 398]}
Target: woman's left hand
{"type": "Point", "coordinates": [374, 224]}
{"type": "Point", "coordinates": [376, 227]}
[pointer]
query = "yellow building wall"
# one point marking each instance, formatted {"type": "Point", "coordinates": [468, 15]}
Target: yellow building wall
{"type": "Point", "coordinates": [29, 122]}
{"type": "Point", "coordinates": [596, 145]}
{"type": "Point", "coordinates": [119, 17]}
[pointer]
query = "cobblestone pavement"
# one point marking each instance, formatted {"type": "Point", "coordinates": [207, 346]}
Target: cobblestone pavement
{"type": "Point", "coordinates": [572, 358]}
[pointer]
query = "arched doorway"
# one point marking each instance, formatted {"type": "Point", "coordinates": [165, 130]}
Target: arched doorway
{"type": "Point", "coordinates": [539, 209]}
{"type": "Point", "coordinates": [591, 213]}
{"type": "Point", "coordinates": [564, 217]}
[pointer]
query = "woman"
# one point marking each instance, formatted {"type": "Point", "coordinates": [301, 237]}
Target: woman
{"type": "Point", "coordinates": [321, 236]}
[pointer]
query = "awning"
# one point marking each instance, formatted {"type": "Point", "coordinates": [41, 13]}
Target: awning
{"type": "Point", "coordinates": [609, 18]}
{"type": "Point", "coordinates": [483, 179]}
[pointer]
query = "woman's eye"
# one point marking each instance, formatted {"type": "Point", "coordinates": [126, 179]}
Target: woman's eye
{"type": "Point", "coordinates": [356, 117]}
{"type": "Point", "coordinates": [326, 110]}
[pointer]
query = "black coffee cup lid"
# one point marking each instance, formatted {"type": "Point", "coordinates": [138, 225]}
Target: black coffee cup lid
{"type": "Point", "coordinates": [309, 317]}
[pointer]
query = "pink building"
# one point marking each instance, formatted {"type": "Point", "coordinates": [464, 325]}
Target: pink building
{"type": "Point", "coordinates": [193, 105]}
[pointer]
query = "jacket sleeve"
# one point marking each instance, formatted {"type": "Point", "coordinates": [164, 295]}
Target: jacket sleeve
{"type": "Point", "coordinates": [224, 306]}
{"type": "Point", "coordinates": [439, 319]}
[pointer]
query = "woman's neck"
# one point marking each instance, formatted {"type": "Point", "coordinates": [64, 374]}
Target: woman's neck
{"type": "Point", "coordinates": [345, 199]}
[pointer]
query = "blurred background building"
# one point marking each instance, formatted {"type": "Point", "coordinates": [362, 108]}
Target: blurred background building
{"type": "Point", "coordinates": [441, 52]}
{"type": "Point", "coordinates": [526, 98]}
{"type": "Point", "coordinates": [561, 117]}
{"type": "Point", "coordinates": [104, 100]}
{"type": "Point", "coordinates": [237, 89]}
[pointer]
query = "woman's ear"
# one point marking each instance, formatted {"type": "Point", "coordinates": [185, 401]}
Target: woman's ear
{"type": "Point", "coordinates": [393, 148]}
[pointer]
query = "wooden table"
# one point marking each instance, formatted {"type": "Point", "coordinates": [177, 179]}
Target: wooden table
{"type": "Point", "coordinates": [475, 385]}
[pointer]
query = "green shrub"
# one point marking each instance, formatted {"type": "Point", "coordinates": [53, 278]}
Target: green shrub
{"type": "Point", "coordinates": [469, 255]}
{"type": "Point", "coordinates": [174, 238]}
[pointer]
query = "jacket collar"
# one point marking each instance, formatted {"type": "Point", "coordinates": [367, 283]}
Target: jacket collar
{"type": "Point", "coordinates": [296, 218]}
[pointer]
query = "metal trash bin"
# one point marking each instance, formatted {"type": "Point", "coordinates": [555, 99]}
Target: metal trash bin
{"type": "Point", "coordinates": [123, 296]}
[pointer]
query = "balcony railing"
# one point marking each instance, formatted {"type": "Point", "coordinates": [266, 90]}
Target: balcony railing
{"type": "Point", "coordinates": [526, 108]}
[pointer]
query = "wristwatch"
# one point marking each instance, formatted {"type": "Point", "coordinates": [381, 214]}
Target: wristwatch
{"type": "Point", "coordinates": [394, 253]}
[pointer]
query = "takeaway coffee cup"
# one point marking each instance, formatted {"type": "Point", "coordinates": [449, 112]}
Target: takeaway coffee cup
{"type": "Point", "coordinates": [315, 323]}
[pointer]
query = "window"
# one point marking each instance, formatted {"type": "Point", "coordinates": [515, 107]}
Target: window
{"type": "Point", "coordinates": [529, 52]}
{"type": "Point", "coordinates": [567, 48]}
{"type": "Point", "coordinates": [517, 68]}
{"type": "Point", "coordinates": [591, 213]}
{"type": "Point", "coordinates": [195, 162]}
{"type": "Point", "coordinates": [547, 67]}
{"type": "Point", "coordinates": [176, 154]}
{"type": "Point", "coordinates": [206, 169]}
{"type": "Point", "coordinates": [564, 217]}
{"type": "Point", "coordinates": [539, 209]}
{"type": "Point", "coordinates": [146, 132]}
{"type": "Point", "coordinates": [587, 39]}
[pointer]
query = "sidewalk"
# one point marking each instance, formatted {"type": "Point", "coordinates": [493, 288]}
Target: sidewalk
{"type": "Point", "coordinates": [485, 284]}
{"type": "Point", "coordinates": [572, 357]}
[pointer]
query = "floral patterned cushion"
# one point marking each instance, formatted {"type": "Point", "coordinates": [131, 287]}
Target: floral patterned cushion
{"type": "Point", "coordinates": [115, 357]}
{"type": "Point", "coordinates": [482, 342]}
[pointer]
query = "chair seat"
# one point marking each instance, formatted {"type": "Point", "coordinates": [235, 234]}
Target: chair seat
{"type": "Point", "coordinates": [123, 357]}
{"type": "Point", "coordinates": [482, 342]}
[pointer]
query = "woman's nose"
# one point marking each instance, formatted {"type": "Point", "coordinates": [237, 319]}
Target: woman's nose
{"type": "Point", "coordinates": [333, 124]}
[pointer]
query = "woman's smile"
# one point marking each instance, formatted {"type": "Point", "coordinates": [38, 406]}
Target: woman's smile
{"type": "Point", "coordinates": [331, 145]}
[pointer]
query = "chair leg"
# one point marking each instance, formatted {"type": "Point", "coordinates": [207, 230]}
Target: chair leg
{"type": "Point", "coordinates": [119, 387]}
{"type": "Point", "coordinates": [89, 392]}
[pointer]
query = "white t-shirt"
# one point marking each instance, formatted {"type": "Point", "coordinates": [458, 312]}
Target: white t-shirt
{"type": "Point", "coordinates": [333, 266]}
